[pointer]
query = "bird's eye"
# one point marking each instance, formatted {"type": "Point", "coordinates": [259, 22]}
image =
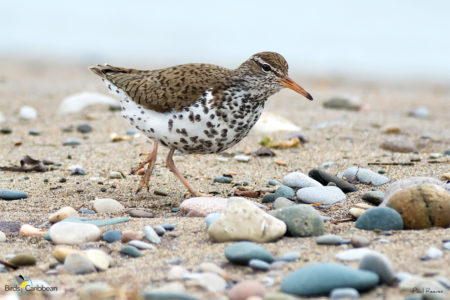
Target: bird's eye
{"type": "Point", "coordinates": [266, 67]}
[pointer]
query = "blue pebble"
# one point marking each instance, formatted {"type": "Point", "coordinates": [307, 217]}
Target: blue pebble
{"type": "Point", "coordinates": [130, 251]}
{"type": "Point", "coordinates": [284, 191]}
{"type": "Point", "coordinates": [344, 293]}
{"type": "Point", "coordinates": [111, 236]}
{"type": "Point", "coordinates": [382, 218]}
{"type": "Point", "coordinates": [211, 218]}
{"type": "Point", "coordinates": [223, 179]}
{"type": "Point", "coordinates": [269, 198]}
{"type": "Point", "coordinates": [175, 209]}
{"type": "Point", "coordinates": [168, 226]}
{"type": "Point", "coordinates": [12, 195]}
{"type": "Point", "coordinates": [258, 264]}
{"type": "Point", "coordinates": [242, 252]}
{"type": "Point", "coordinates": [274, 182]}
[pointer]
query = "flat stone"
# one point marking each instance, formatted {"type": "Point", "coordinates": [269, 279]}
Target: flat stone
{"type": "Point", "coordinates": [23, 260]}
{"type": "Point", "coordinates": [381, 218]}
{"type": "Point", "coordinates": [321, 278]}
{"type": "Point", "coordinates": [398, 145]}
{"type": "Point", "coordinates": [78, 171]}
{"type": "Point", "coordinates": [243, 220]}
{"type": "Point", "coordinates": [365, 176]}
{"type": "Point", "coordinates": [325, 178]}
{"type": "Point", "coordinates": [327, 195]}
{"type": "Point", "coordinates": [71, 142]}
{"type": "Point", "coordinates": [246, 290]}
{"type": "Point", "coordinates": [359, 241]}
{"type": "Point", "coordinates": [78, 264]}
{"type": "Point", "coordinates": [203, 206]}
{"type": "Point", "coordinates": [63, 213]}
{"type": "Point", "coordinates": [281, 202]}
{"type": "Point", "coordinates": [140, 213]}
{"type": "Point", "coordinates": [258, 264]}
{"type": "Point", "coordinates": [301, 220]}
{"type": "Point", "coordinates": [223, 179]}
{"type": "Point", "coordinates": [130, 251]}
{"type": "Point", "coordinates": [329, 239]}
{"type": "Point", "coordinates": [84, 128]}
{"type": "Point", "coordinates": [99, 258]}
{"type": "Point", "coordinates": [379, 264]}
{"type": "Point", "coordinates": [141, 245]}
{"type": "Point", "coordinates": [290, 256]}
{"type": "Point", "coordinates": [73, 233]}
{"type": "Point", "coordinates": [299, 180]}
{"type": "Point", "coordinates": [355, 254]}
{"type": "Point", "coordinates": [242, 252]}
{"type": "Point", "coordinates": [107, 205]}
{"type": "Point", "coordinates": [12, 195]}
{"type": "Point", "coordinates": [344, 103]}
{"type": "Point", "coordinates": [374, 197]}
{"type": "Point", "coordinates": [151, 235]}
{"type": "Point", "coordinates": [344, 293]}
{"type": "Point", "coordinates": [422, 206]}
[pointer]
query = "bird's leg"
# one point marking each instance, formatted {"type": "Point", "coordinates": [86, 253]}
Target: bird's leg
{"type": "Point", "coordinates": [150, 160]}
{"type": "Point", "coordinates": [171, 165]}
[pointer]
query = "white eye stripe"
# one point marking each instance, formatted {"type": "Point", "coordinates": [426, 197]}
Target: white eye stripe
{"type": "Point", "coordinates": [262, 62]}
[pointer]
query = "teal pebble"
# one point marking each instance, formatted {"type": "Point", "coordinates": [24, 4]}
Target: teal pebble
{"type": "Point", "coordinates": [242, 252]}
{"type": "Point", "coordinates": [381, 218]}
{"type": "Point", "coordinates": [258, 264]}
{"type": "Point", "coordinates": [130, 251]}
{"type": "Point", "coordinates": [269, 198]}
{"type": "Point", "coordinates": [12, 195]}
{"type": "Point", "coordinates": [284, 191]}
{"type": "Point", "coordinates": [301, 220]}
{"type": "Point", "coordinates": [112, 236]}
{"type": "Point", "coordinates": [223, 179]}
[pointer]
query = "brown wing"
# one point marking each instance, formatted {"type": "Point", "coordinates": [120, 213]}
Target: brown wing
{"type": "Point", "coordinates": [165, 89]}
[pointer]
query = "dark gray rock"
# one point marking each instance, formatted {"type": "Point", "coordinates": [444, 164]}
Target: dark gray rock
{"type": "Point", "coordinates": [325, 178]}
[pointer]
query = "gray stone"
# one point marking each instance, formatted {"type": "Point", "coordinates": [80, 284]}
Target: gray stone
{"type": "Point", "coordinates": [374, 197]}
{"type": "Point", "coordinates": [299, 180]}
{"type": "Point", "coordinates": [290, 256]}
{"type": "Point", "coordinates": [258, 264]}
{"type": "Point", "coordinates": [379, 264]}
{"type": "Point", "coordinates": [72, 142]}
{"type": "Point", "coordinates": [329, 239]}
{"type": "Point", "coordinates": [301, 220]}
{"type": "Point", "coordinates": [327, 178]}
{"type": "Point", "coordinates": [151, 235]}
{"type": "Point", "coordinates": [242, 252]}
{"type": "Point", "coordinates": [223, 179]}
{"type": "Point", "coordinates": [84, 128]}
{"type": "Point", "coordinates": [345, 103]}
{"type": "Point", "coordinates": [344, 293]}
{"type": "Point", "coordinates": [365, 176]}
{"type": "Point", "coordinates": [159, 230]}
{"type": "Point", "coordinates": [76, 263]}
{"type": "Point", "coordinates": [140, 213]}
{"type": "Point", "coordinates": [281, 202]}
{"type": "Point", "coordinates": [359, 241]}
{"type": "Point", "coordinates": [130, 251]}
{"type": "Point", "coordinates": [141, 245]}
{"type": "Point", "coordinates": [12, 195]}
{"type": "Point", "coordinates": [327, 195]}
{"type": "Point", "coordinates": [398, 145]}
{"type": "Point", "coordinates": [269, 198]}
{"type": "Point", "coordinates": [381, 218]}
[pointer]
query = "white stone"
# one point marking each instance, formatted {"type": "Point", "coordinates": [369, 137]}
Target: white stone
{"type": "Point", "coordinates": [241, 158]}
{"type": "Point", "coordinates": [151, 235]}
{"type": "Point", "coordinates": [2, 237]}
{"type": "Point", "coordinates": [107, 205]}
{"type": "Point", "coordinates": [73, 233]}
{"type": "Point", "coordinates": [176, 273]}
{"type": "Point", "coordinates": [270, 122]}
{"type": "Point", "coordinates": [27, 113]}
{"type": "Point", "coordinates": [354, 254]}
{"type": "Point", "coordinates": [243, 221]}
{"type": "Point", "coordinates": [299, 180]}
{"type": "Point", "coordinates": [209, 281]}
{"type": "Point", "coordinates": [141, 245]}
{"type": "Point", "coordinates": [78, 102]}
{"type": "Point", "coordinates": [203, 206]}
{"type": "Point", "coordinates": [99, 258]}
{"type": "Point", "coordinates": [434, 253]}
{"type": "Point", "coordinates": [327, 195]}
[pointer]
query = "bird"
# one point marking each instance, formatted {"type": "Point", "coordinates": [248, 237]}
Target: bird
{"type": "Point", "coordinates": [196, 107]}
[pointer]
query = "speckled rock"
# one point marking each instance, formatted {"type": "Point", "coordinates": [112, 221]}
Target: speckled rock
{"type": "Point", "coordinates": [242, 220]}
{"type": "Point", "coordinates": [301, 220]}
{"type": "Point", "coordinates": [382, 218]}
{"type": "Point", "coordinates": [422, 206]}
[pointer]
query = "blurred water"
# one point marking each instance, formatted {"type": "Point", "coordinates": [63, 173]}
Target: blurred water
{"type": "Point", "coordinates": [398, 39]}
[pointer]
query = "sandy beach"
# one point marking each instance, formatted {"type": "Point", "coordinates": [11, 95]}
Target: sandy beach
{"type": "Point", "coordinates": [346, 138]}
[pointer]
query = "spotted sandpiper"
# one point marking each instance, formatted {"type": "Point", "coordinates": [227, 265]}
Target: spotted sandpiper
{"type": "Point", "coordinates": [196, 108]}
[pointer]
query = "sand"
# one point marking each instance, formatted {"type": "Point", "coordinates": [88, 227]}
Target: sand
{"type": "Point", "coordinates": [353, 140]}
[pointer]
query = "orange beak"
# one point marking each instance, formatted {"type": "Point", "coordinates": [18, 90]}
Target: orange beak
{"type": "Point", "coordinates": [290, 84]}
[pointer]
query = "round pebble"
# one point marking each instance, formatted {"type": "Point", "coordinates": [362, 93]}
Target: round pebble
{"type": "Point", "coordinates": [301, 220]}
{"type": "Point", "coordinates": [84, 128]}
{"type": "Point", "coordinates": [202, 206]}
{"type": "Point", "coordinates": [434, 253]}
{"type": "Point", "coordinates": [258, 264]}
{"type": "Point", "coordinates": [23, 260]}
{"type": "Point", "coordinates": [398, 145]}
{"type": "Point", "coordinates": [12, 195]}
{"type": "Point", "coordinates": [329, 239]}
{"type": "Point", "coordinates": [130, 251]}
{"type": "Point", "coordinates": [242, 158]}
{"type": "Point", "coordinates": [354, 254]}
{"type": "Point", "coordinates": [34, 133]}
{"type": "Point", "coordinates": [420, 112]}
{"type": "Point", "coordinates": [382, 218]}
{"type": "Point", "coordinates": [409, 182]}
{"type": "Point", "coordinates": [242, 252]}
{"type": "Point", "coordinates": [107, 205]}
{"type": "Point", "coordinates": [63, 213]}
{"type": "Point", "coordinates": [99, 258]}
{"type": "Point", "coordinates": [344, 293]}
{"type": "Point", "coordinates": [27, 113]}
{"type": "Point", "coordinates": [269, 198]}
{"type": "Point", "coordinates": [78, 171]}
{"type": "Point", "coordinates": [73, 233]}
{"type": "Point", "coordinates": [246, 289]}
{"type": "Point", "coordinates": [77, 263]}
{"type": "Point", "coordinates": [327, 195]}
{"type": "Point", "coordinates": [299, 180]}
{"type": "Point", "coordinates": [112, 236]}
{"type": "Point", "coordinates": [5, 130]}
{"type": "Point", "coordinates": [379, 264]}
{"type": "Point", "coordinates": [223, 179]}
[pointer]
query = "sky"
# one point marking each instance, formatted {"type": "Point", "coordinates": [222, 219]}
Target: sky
{"type": "Point", "coordinates": [374, 39]}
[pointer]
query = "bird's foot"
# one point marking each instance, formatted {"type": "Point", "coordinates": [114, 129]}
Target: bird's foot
{"type": "Point", "coordinates": [142, 164]}
{"type": "Point", "coordinates": [145, 179]}
{"type": "Point", "coordinates": [150, 160]}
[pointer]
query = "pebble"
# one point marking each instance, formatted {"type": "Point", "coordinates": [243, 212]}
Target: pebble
{"type": "Point", "coordinates": [356, 212]}
{"type": "Point", "coordinates": [327, 195]}
{"type": "Point", "coordinates": [422, 206]}
{"type": "Point", "coordinates": [398, 145]}
{"type": "Point", "coordinates": [242, 158]}
{"type": "Point", "coordinates": [365, 176]}
{"type": "Point", "coordinates": [329, 239]}
{"type": "Point", "coordinates": [434, 253]}
{"type": "Point", "coordinates": [381, 171]}
{"type": "Point", "coordinates": [71, 142]}
{"type": "Point", "coordinates": [284, 191]}
{"type": "Point", "coordinates": [177, 273]}
{"type": "Point", "coordinates": [379, 264]}
{"type": "Point", "coordinates": [98, 222]}
{"type": "Point", "coordinates": [258, 264]}
{"type": "Point", "coordinates": [305, 281]}
{"type": "Point", "coordinates": [84, 128]}
{"type": "Point", "coordinates": [78, 171]}
{"type": "Point", "coordinates": [202, 206]}
{"type": "Point", "coordinates": [34, 133]}
{"type": "Point", "coordinates": [381, 218]}
{"type": "Point", "coordinates": [159, 230]}
{"type": "Point", "coordinates": [76, 263]}
{"type": "Point", "coordinates": [445, 176]}
{"type": "Point", "coordinates": [2, 237]}
{"type": "Point", "coordinates": [168, 226]}
{"type": "Point", "coordinates": [115, 175]}
{"type": "Point", "coordinates": [5, 130]}
{"type": "Point", "coordinates": [77, 102]}
{"type": "Point", "coordinates": [208, 281]}
{"type": "Point", "coordinates": [140, 213]}
{"type": "Point", "coordinates": [420, 112]}
{"type": "Point", "coordinates": [391, 129]}
{"type": "Point", "coordinates": [63, 213]}
{"type": "Point", "coordinates": [129, 235]}
{"type": "Point", "coordinates": [325, 178]}
{"type": "Point", "coordinates": [212, 268]}
{"type": "Point", "coordinates": [112, 236]}
{"type": "Point", "coordinates": [99, 258]}
{"type": "Point", "coordinates": [298, 180]}
{"type": "Point", "coordinates": [211, 218]}
{"type": "Point", "coordinates": [435, 155]}
{"type": "Point", "coordinates": [353, 254]}
{"type": "Point", "coordinates": [246, 290]}
{"type": "Point", "coordinates": [95, 290]}
{"type": "Point", "coordinates": [344, 293]}
{"type": "Point", "coordinates": [223, 179]}
{"type": "Point", "coordinates": [23, 260]}
{"type": "Point", "coordinates": [345, 103]}
{"type": "Point", "coordinates": [301, 220]}
{"type": "Point", "coordinates": [73, 233]}
{"type": "Point", "coordinates": [241, 213]}
{"type": "Point", "coordinates": [447, 245]}
{"type": "Point", "coordinates": [359, 241]}
{"type": "Point", "coordinates": [242, 252]}
{"type": "Point", "coordinates": [174, 261]}
{"type": "Point", "coordinates": [269, 198]}
{"type": "Point", "coordinates": [141, 245]}
{"type": "Point", "coordinates": [281, 202]}
{"type": "Point", "coordinates": [30, 230]}
{"type": "Point", "coordinates": [130, 251]}
{"type": "Point", "coordinates": [290, 256]}
{"type": "Point", "coordinates": [447, 152]}
{"type": "Point", "coordinates": [151, 235]}
{"type": "Point", "coordinates": [107, 205]}
{"type": "Point", "coordinates": [12, 195]}
{"type": "Point", "coordinates": [374, 197]}
{"type": "Point", "coordinates": [27, 113]}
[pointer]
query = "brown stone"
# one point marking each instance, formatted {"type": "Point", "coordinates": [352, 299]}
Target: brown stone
{"type": "Point", "coordinates": [129, 235]}
{"type": "Point", "coordinates": [246, 289]}
{"type": "Point", "coordinates": [422, 206]}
